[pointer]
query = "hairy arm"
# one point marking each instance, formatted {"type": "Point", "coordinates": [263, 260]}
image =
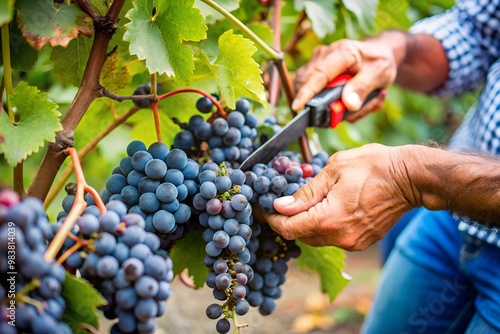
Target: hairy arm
{"type": "Point", "coordinates": [468, 184]}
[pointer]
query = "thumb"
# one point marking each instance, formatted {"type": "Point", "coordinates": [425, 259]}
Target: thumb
{"type": "Point", "coordinates": [306, 197]}
{"type": "Point", "coordinates": [358, 88]}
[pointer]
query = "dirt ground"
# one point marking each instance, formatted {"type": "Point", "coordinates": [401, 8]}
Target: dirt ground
{"type": "Point", "coordinates": [301, 310]}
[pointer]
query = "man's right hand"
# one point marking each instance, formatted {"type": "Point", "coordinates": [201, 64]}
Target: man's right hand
{"type": "Point", "coordinates": [373, 63]}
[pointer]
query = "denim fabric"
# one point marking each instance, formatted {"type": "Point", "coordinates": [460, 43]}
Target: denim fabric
{"type": "Point", "coordinates": [437, 280]}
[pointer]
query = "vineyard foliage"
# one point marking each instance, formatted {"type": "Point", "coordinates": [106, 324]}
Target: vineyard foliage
{"type": "Point", "coordinates": [69, 69]}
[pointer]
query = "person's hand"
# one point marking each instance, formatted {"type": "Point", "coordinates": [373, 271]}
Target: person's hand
{"type": "Point", "coordinates": [353, 202]}
{"type": "Point", "coordinates": [373, 62]}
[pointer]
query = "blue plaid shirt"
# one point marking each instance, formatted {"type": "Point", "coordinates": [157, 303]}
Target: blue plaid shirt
{"type": "Point", "coordinates": [470, 35]}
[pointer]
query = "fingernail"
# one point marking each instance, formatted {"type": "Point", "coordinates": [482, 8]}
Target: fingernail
{"type": "Point", "coordinates": [284, 201]}
{"type": "Point", "coordinates": [354, 101]}
{"type": "Point", "coordinates": [296, 105]}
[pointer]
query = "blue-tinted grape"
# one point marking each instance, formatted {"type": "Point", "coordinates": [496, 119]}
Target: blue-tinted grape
{"type": "Point", "coordinates": [182, 214]}
{"type": "Point", "coordinates": [155, 169]}
{"type": "Point", "coordinates": [231, 226]}
{"type": "Point", "coordinates": [146, 286]}
{"type": "Point", "coordinates": [220, 126]}
{"type": "Point", "coordinates": [176, 159]}
{"type": "Point", "coordinates": [126, 165]}
{"type": "Point", "coordinates": [130, 195]}
{"type": "Point", "coordinates": [149, 203]}
{"type": "Point", "coordinates": [126, 298]}
{"type": "Point", "coordinates": [140, 159]}
{"type": "Point", "coordinates": [164, 221]}
{"type": "Point", "coordinates": [214, 311]}
{"type": "Point", "coordinates": [223, 326]}
{"type": "Point", "coordinates": [105, 243]}
{"type": "Point", "coordinates": [243, 106]}
{"type": "Point", "coordinates": [204, 105]}
{"type": "Point", "coordinates": [235, 119]}
{"type": "Point", "coordinates": [158, 150]}
{"type": "Point", "coordinates": [107, 266]}
{"type": "Point", "coordinates": [147, 184]}
{"type": "Point", "coordinates": [174, 176]}
{"type": "Point", "coordinates": [115, 183]}
{"type": "Point", "coordinates": [232, 137]}
{"type": "Point", "coordinates": [184, 140]}
{"type": "Point", "coordinates": [166, 192]}
{"type": "Point", "coordinates": [135, 146]}
{"type": "Point", "coordinates": [220, 266]}
{"type": "Point", "coordinates": [242, 307]}
{"type": "Point", "coordinates": [203, 131]}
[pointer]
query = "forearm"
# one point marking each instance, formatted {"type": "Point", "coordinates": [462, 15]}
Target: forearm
{"type": "Point", "coordinates": [465, 184]}
{"type": "Point", "coordinates": [421, 59]}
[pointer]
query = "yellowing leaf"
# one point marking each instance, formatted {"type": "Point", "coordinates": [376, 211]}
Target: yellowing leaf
{"type": "Point", "coordinates": [38, 121]}
{"type": "Point", "coordinates": [156, 31]}
{"type": "Point", "coordinates": [112, 77]}
{"type": "Point", "coordinates": [236, 73]}
{"type": "Point", "coordinates": [44, 22]}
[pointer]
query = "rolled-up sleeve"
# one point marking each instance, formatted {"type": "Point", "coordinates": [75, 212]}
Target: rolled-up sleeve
{"type": "Point", "coordinates": [470, 35]}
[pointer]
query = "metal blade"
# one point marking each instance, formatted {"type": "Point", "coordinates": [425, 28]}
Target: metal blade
{"type": "Point", "coordinates": [279, 141]}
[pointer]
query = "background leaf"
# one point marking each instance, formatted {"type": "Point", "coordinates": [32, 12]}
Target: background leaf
{"type": "Point", "coordinates": [70, 62]}
{"type": "Point", "coordinates": [364, 12]}
{"type": "Point", "coordinates": [158, 38]}
{"type": "Point", "coordinates": [211, 15]}
{"type": "Point", "coordinates": [6, 9]}
{"type": "Point", "coordinates": [236, 73]}
{"type": "Point", "coordinates": [22, 56]}
{"type": "Point", "coordinates": [322, 15]}
{"type": "Point", "coordinates": [82, 301]}
{"type": "Point", "coordinates": [328, 262]}
{"type": "Point", "coordinates": [37, 122]}
{"type": "Point", "coordinates": [45, 23]}
{"type": "Point", "coordinates": [189, 252]}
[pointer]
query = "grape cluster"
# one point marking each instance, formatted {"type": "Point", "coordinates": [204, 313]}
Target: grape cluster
{"type": "Point", "coordinates": [158, 184]}
{"type": "Point", "coordinates": [124, 263]}
{"type": "Point", "coordinates": [223, 201]}
{"type": "Point", "coordinates": [229, 139]}
{"type": "Point", "coordinates": [270, 254]}
{"type": "Point", "coordinates": [282, 176]}
{"type": "Point", "coordinates": [30, 295]}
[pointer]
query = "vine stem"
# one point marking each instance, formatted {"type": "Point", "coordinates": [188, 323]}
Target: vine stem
{"type": "Point", "coordinates": [76, 210]}
{"type": "Point", "coordinates": [68, 171]}
{"type": "Point", "coordinates": [257, 40]}
{"type": "Point", "coordinates": [68, 253]}
{"type": "Point", "coordinates": [220, 109]}
{"type": "Point", "coordinates": [7, 70]}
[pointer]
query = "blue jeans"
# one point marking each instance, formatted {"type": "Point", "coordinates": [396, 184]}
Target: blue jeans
{"type": "Point", "coordinates": [437, 280]}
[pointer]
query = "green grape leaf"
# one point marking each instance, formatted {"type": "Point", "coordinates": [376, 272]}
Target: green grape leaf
{"type": "Point", "coordinates": [189, 253]}
{"type": "Point", "coordinates": [37, 121]}
{"type": "Point", "coordinates": [22, 56]}
{"type": "Point", "coordinates": [158, 38]}
{"type": "Point", "coordinates": [322, 15]}
{"type": "Point", "coordinates": [236, 72]}
{"type": "Point", "coordinates": [328, 262]}
{"type": "Point", "coordinates": [43, 22]}
{"type": "Point", "coordinates": [392, 14]}
{"type": "Point", "coordinates": [364, 11]}
{"type": "Point", "coordinates": [6, 10]}
{"type": "Point", "coordinates": [70, 62]}
{"type": "Point", "coordinates": [114, 78]}
{"type": "Point", "coordinates": [211, 15]}
{"type": "Point", "coordinates": [82, 301]}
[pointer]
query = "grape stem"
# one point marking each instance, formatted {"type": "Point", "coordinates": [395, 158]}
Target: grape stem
{"type": "Point", "coordinates": [237, 326]}
{"type": "Point", "coordinates": [120, 98]}
{"type": "Point", "coordinates": [7, 75]}
{"type": "Point", "coordinates": [273, 54]}
{"type": "Point", "coordinates": [154, 105]}
{"type": "Point", "coordinates": [76, 210]}
{"type": "Point", "coordinates": [185, 279]}
{"type": "Point", "coordinates": [70, 251]}
{"type": "Point", "coordinates": [220, 109]}
{"type": "Point", "coordinates": [68, 171]}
